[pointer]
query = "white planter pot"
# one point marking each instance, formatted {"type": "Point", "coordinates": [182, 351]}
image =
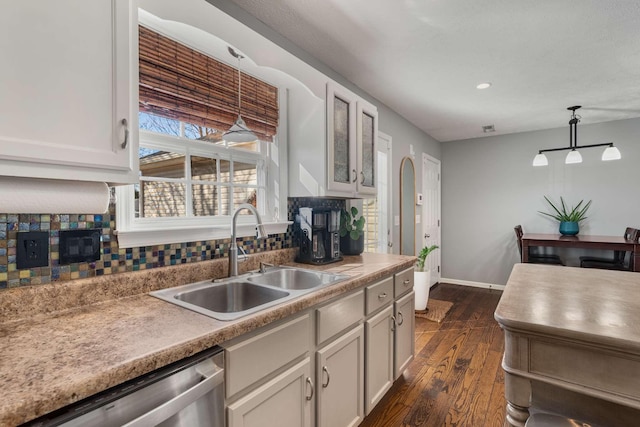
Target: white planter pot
{"type": "Point", "coordinates": [421, 285]}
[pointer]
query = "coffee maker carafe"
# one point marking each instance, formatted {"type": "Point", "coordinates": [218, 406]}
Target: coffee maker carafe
{"type": "Point", "coordinates": [318, 235]}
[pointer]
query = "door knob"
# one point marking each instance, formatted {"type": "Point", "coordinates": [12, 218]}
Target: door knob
{"type": "Point", "coordinates": [426, 236]}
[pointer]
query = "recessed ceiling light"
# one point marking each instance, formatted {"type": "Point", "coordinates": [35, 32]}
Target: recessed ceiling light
{"type": "Point", "coordinates": [483, 85]}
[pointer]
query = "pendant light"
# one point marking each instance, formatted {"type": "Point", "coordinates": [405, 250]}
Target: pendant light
{"type": "Point", "coordinates": [574, 156]}
{"type": "Point", "coordinates": [239, 132]}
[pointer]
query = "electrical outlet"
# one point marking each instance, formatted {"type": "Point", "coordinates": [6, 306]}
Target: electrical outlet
{"type": "Point", "coordinates": [79, 246]}
{"type": "Point", "coordinates": [33, 249]}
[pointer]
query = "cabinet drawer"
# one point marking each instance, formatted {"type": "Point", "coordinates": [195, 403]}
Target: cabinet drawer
{"type": "Point", "coordinates": [378, 295]}
{"type": "Point", "coordinates": [338, 316]}
{"type": "Point", "coordinates": [257, 357]}
{"type": "Point", "coordinates": [403, 282]}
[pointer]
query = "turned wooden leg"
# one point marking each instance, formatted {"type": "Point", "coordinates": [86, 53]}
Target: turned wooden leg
{"type": "Point", "coordinates": [517, 391]}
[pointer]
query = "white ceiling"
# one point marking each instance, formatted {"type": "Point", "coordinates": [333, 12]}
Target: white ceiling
{"type": "Point", "coordinates": [424, 58]}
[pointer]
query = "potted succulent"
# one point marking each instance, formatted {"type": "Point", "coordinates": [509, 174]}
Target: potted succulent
{"type": "Point", "coordinates": [422, 278]}
{"type": "Point", "coordinates": [351, 232]}
{"type": "Point", "coordinates": [569, 219]}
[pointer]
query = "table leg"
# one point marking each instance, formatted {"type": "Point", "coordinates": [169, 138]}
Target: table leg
{"type": "Point", "coordinates": [517, 391]}
{"type": "Point", "coordinates": [525, 251]}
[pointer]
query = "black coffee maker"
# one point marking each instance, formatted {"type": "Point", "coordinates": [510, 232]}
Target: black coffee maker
{"type": "Point", "coordinates": [317, 231]}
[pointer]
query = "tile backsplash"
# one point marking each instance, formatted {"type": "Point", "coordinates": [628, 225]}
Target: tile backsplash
{"type": "Point", "coordinates": [114, 260]}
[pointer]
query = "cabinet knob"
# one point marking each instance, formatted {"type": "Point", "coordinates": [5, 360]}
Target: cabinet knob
{"type": "Point", "coordinates": [126, 133]}
{"type": "Point", "coordinates": [355, 176]}
{"type": "Point", "coordinates": [362, 178]}
{"type": "Point", "coordinates": [400, 318]}
{"type": "Point", "coordinates": [310, 396]}
{"type": "Point", "coordinates": [393, 323]}
{"type": "Point", "coordinates": [326, 370]}
{"type": "Point", "coordinates": [407, 281]}
{"type": "Point", "coordinates": [382, 295]}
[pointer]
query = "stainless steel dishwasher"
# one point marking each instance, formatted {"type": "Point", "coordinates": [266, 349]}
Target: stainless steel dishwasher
{"type": "Point", "coordinates": [186, 393]}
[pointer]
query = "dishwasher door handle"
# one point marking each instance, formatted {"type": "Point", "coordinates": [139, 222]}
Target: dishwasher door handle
{"type": "Point", "coordinates": [178, 403]}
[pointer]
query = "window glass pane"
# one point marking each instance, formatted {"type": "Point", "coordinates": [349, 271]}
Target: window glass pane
{"type": "Point", "coordinates": [247, 146]}
{"type": "Point", "coordinates": [158, 124]}
{"type": "Point", "coordinates": [224, 200]}
{"type": "Point", "coordinates": [205, 200]}
{"type": "Point", "coordinates": [162, 199]}
{"type": "Point", "coordinates": [203, 168]}
{"type": "Point", "coordinates": [244, 195]}
{"type": "Point", "coordinates": [202, 133]}
{"type": "Point", "coordinates": [340, 140]}
{"type": "Point", "coordinates": [162, 164]}
{"type": "Point", "coordinates": [225, 166]}
{"type": "Point", "coordinates": [245, 173]}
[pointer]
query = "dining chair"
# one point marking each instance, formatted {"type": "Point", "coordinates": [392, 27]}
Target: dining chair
{"type": "Point", "coordinates": [618, 260]}
{"type": "Point", "coordinates": [535, 259]}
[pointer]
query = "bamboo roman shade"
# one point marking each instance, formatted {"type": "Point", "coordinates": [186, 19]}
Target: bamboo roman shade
{"type": "Point", "coordinates": [180, 83]}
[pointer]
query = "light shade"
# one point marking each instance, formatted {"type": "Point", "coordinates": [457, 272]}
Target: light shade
{"type": "Point", "coordinates": [239, 132]}
{"type": "Point", "coordinates": [611, 153]}
{"type": "Point", "coordinates": [540, 160]}
{"type": "Point", "coordinates": [574, 156]}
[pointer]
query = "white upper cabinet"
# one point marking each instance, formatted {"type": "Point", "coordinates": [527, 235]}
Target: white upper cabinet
{"type": "Point", "coordinates": [68, 90]}
{"type": "Point", "coordinates": [352, 127]}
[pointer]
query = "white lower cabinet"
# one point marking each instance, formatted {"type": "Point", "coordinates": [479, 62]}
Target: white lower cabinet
{"type": "Point", "coordinates": [404, 343]}
{"type": "Point", "coordinates": [326, 366]}
{"type": "Point", "coordinates": [378, 357]}
{"type": "Point", "coordinates": [285, 401]}
{"type": "Point", "coordinates": [340, 380]}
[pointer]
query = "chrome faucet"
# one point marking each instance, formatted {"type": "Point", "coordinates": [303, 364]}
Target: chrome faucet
{"type": "Point", "coordinates": [233, 247]}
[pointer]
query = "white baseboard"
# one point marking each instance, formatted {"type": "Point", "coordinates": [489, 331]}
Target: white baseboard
{"type": "Point", "coordinates": [472, 284]}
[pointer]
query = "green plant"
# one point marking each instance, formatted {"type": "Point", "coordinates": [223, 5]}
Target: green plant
{"type": "Point", "coordinates": [350, 225]}
{"type": "Point", "coordinates": [576, 214]}
{"type": "Point", "coordinates": [422, 256]}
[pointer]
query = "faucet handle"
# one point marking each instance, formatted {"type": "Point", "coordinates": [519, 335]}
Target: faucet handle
{"type": "Point", "coordinates": [243, 256]}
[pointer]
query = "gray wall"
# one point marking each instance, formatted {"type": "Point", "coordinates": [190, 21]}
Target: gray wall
{"type": "Point", "coordinates": [489, 186]}
{"type": "Point", "coordinates": [401, 131]}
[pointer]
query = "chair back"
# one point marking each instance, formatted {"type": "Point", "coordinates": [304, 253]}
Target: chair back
{"type": "Point", "coordinates": [629, 234]}
{"type": "Point", "coordinates": [519, 233]}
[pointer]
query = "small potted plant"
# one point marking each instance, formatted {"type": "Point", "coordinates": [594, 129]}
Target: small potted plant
{"type": "Point", "coordinates": [422, 278]}
{"type": "Point", "coordinates": [569, 219]}
{"type": "Point", "coordinates": [351, 232]}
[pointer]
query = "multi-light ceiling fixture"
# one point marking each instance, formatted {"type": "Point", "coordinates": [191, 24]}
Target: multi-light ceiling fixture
{"type": "Point", "coordinates": [239, 132]}
{"type": "Point", "coordinates": [574, 156]}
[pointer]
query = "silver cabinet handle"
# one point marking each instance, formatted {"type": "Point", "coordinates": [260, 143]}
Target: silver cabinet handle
{"type": "Point", "coordinates": [362, 180]}
{"type": "Point", "coordinates": [325, 369]}
{"type": "Point", "coordinates": [178, 403]}
{"type": "Point", "coordinates": [355, 175]}
{"type": "Point", "coordinates": [400, 318]}
{"type": "Point", "coordinates": [312, 388]}
{"type": "Point", "coordinates": [126, 133]}
{"type": "Point", "coordinates": [407, 281]}
{"type": "Point", "coordinates": [426, 236]}
{"type": "Point", "coordinates": [382, 295]}
{"type": "Point", "coordinates": [393, 323]}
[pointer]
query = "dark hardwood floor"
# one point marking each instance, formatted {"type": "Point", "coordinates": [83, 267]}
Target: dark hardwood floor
{"type": "Point", "coordinates": [456, 378]}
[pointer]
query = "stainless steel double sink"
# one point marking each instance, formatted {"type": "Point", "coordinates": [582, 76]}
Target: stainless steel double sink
{"type": "Point", "coordinates": [238, 296]}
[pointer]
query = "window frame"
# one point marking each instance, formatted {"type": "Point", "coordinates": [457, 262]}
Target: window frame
{"type": "Point", "coordinates": [137, 232]}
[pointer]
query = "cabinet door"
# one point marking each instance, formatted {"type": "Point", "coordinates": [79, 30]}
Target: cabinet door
{"type": "Point", "coordinates": [66, 85]}
{"type": "Point", "coordinates": [404, 344]}
{"type": "Point", "coordinates": [367, 135]}
{"type": "Point", "coordinates": [284, 401]}
{"type": "Point", "coordinates": [340, 381]}
{"type": "Point", "coordinates": [379, 357]}
{"type": "Point", "coordinates": [341, 139]}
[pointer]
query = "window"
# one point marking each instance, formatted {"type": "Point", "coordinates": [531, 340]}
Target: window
{"type": "Point", "coordinates": [191, 180]}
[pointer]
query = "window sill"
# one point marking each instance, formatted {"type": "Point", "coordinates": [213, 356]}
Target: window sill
{"type": "Point", "coordinates": [137, 238]}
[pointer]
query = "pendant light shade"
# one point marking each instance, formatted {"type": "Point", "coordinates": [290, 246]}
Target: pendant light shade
{"type": "Point", "coordinates": [611, 153]}
{"type": "Point", "coordinates": [540, 160]}
{"type": "Point", "coordinates": [239, 132]}
{"type": "Point", "coordinates": [574, 156]}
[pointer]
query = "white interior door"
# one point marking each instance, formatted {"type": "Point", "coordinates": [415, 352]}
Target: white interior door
{"type": "Point", "coordinates": [384, 192]}
{"type": "Point", "coordinates": [431, 213]}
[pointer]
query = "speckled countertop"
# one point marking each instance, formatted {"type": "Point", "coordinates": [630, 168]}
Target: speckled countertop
{"type": "Point", "coordinates": [63, 342]}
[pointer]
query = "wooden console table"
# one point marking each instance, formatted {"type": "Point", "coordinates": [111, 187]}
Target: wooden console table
{"type": "Point", "coordinates": [613, 243]}
{"type": "Point", "coordinates": [572, 344]}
